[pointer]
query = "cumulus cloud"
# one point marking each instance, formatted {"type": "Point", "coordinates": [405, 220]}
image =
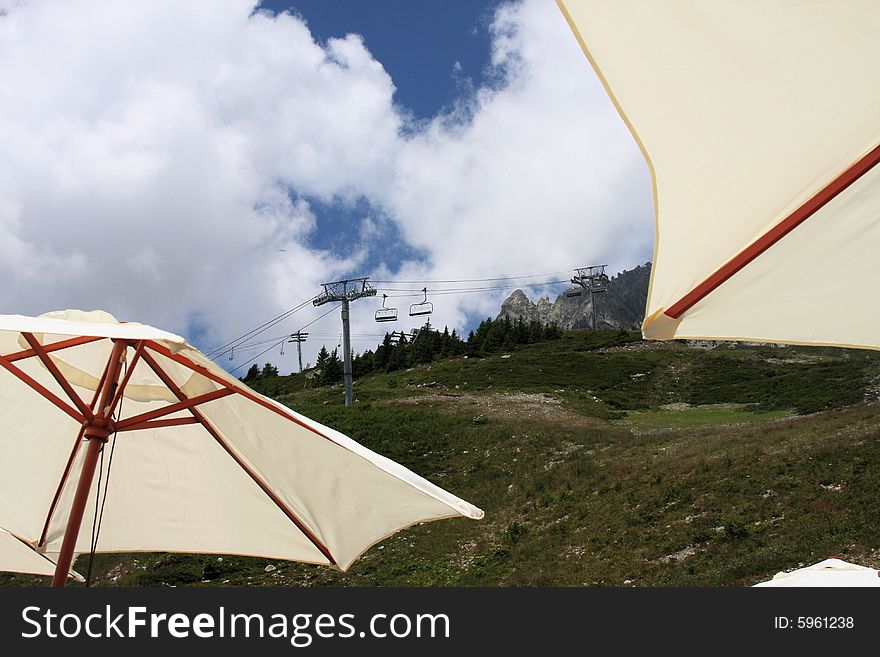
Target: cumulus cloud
{"type": "Point", "coordinates": [162, 160]}
{"type": "Point", "coordinates": [147, 149]}
{"type": "Point", "coordinates": [542, 175]}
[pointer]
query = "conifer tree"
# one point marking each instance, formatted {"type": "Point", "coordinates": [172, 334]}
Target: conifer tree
{"type": "Point", "coordinates": [252, 374]}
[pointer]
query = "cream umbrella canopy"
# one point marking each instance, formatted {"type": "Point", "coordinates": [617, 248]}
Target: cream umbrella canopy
{"type": "Point", "coordinates": [830, 572]}
{"type": "Point", "coordinates": [18, 556]}
{"type": "Point", "coordinates": [200, 462]}
{"type": "Point", "coordinates": [759, 121]}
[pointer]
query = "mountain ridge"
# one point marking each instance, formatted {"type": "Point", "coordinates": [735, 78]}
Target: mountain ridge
{"type": "Point", "coordinates": [621, 306]}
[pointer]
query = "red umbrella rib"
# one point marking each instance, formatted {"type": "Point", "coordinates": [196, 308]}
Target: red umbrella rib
{"type": "Point", "coordinates": [772, 236]}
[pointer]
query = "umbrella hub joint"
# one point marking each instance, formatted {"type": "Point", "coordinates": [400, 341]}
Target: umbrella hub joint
{"type": "Point", "coordinates": [98, 429]}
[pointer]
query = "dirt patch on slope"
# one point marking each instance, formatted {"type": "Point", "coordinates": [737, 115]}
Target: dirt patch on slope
{"type": "Point", "coordinates": [516, 406]}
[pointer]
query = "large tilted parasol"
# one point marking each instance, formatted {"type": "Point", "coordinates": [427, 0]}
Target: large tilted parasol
{"type": "Point", "coordinates": [19, 556]}
{"type": "Point", "coordinates": [190, 458]}
{"type": "Point", "coordinates": [759, 120]}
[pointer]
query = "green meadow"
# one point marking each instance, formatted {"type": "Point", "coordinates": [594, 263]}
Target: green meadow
{"type": "Point", "coordinates": [600, 460]}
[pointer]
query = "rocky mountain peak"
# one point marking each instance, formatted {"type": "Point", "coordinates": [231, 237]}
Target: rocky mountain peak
{"type": "Point", "coordinates": [621, 306]}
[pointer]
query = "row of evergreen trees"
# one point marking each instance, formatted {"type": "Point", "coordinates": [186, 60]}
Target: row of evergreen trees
{"type": "Point", "coordinates": [403, 351]}
{"type": "Point", "coordinates": [255, 373]}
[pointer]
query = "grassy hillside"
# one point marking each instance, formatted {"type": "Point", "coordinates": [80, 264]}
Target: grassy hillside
{"type": "Point", "coordinates": [600, 459]}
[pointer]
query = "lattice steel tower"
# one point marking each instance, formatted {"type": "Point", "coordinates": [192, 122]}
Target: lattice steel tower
{"type": "Point", "coordinates": [593, 280]}
{"type": "Point", "coordinates": [345, 291]}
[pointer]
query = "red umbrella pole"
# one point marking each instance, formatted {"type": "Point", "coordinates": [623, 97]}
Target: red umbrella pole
{"type": "Point", "coordinates": [97, 432]}
{"type": "Point", "coordinates": [62, 568]}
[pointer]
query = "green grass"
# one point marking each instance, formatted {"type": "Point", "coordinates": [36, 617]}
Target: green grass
{"type": "Point", "coordinates": [699, 417]}
{"type": "Point", "coordinates": [652, 463]}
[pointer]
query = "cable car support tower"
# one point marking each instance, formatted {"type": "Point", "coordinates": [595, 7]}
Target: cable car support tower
{"type": "Point", "coordinates": [345, 291]}
{"type": "Point", "coordinates": [593, 280]}
{"type": "Point", "coordinates": [299, 337]}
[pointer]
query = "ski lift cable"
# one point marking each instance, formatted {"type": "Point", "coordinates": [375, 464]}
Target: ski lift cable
{"type": "Point", "coordinates": [235, 369]}
{"type": "Point", "coordinates": [250, 347]}
{"type": "Point", "coordinates": [330, 310]}
{"type": "Point", "coordinates": [253, 345]}
{"type": "Point", "coordinates": [436, 290]}
{"type": "Point", "coordinates": [243, 346]}
{"type": "Point", "coordinates": [271, 347]}
{"type": "Point", "coordinates": [354, 335]}
{"type": "Point", "coordinates": [475, 280]}
{"type": "Point", "coordinates": [259, 329]}
{"type": "Point", "coordinates": [319, 334]}
{"type": "Point", "coordinates": [246, 346]}
{"type": "Point", "coordinates": [276, 343]}
{"type": "Point", "coordinates": [446, 292]}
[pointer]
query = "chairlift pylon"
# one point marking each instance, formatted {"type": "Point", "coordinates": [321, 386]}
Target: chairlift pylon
{"type": "Point", "coordinates": [574, 292]}
{"type": "Point", "coordinates": [386, 314]}
{"type": "Point", "coordinates": [423, 308]}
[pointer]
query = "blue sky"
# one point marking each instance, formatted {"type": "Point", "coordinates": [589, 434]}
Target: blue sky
{"type": "Point", "coordinates": [436, 53]}
{"type": "Point", "coordinates": [204, 167]}
{"type": "Point", "coordinates": [433, 50]}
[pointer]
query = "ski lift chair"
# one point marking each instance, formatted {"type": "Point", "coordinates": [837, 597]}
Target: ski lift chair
{"type": "Point", "coordinates": [386, 314]}
{"type": "Point", "coordinates": [423, 308]}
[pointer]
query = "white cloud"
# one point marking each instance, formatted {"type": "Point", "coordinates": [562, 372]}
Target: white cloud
{"type": "Point", "coordinates": [147, 148]}
{"type": "Point", "coordinates": [543, 177]}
